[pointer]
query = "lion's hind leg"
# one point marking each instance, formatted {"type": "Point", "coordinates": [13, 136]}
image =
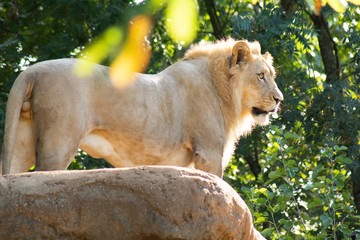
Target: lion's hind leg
{"type": "Point", "coordinates": [24, 149]}
{"type": "Point", "coordinates": [56, 143]}
{"type": "Point", "coordinates": [55, 151]}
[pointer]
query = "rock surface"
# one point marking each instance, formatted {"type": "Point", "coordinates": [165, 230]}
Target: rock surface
{"type": "Point", "coordinates": [130, 203]}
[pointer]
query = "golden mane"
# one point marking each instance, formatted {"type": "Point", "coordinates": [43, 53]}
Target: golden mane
{"type": "Point", "coordinates": [219, 49]}
{"type": "Point", "coordinates": [219, 65]}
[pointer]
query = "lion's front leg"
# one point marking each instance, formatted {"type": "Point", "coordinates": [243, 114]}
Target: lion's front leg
{"type": "Point", "coordinates": [208, 160]}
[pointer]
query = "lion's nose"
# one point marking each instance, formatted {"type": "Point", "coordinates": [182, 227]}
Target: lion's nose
{"type": "Point", "coordinates": [278, 96]}
{"type": "Point", "coordinates": [277, 100]}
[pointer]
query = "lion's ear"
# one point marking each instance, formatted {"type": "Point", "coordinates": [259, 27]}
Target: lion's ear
{"type": "Point", "coordinates": [268, 57]}
{"type": "Point", "coordinates": [241, 52]}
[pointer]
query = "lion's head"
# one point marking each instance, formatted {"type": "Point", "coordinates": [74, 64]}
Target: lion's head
{"type": "Point", "coordinates": [254, 75]}
{"type": "Point", "coordinates": [244, 80]}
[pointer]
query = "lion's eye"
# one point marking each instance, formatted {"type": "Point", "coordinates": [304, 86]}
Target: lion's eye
{"type": "Point", "coordinates": [261, 76]}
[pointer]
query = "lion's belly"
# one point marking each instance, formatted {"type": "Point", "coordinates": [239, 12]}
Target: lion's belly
{"type": "Point", "coordinates": [129, 152]}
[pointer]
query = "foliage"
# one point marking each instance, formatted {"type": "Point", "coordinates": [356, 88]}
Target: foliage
{"type": "Point", "coordinates": [84, 162]}
{"type": "Point", "coordinates": [304, 182]}
{"type": "Point", "coordinates": [300, 194]}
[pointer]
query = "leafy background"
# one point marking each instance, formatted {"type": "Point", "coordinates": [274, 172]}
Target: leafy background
{"type": "Point", "coordinates": [300, 176]}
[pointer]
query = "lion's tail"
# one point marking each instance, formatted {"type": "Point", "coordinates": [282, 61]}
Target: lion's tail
{"type": "Point", "coordinates": [20, 91]}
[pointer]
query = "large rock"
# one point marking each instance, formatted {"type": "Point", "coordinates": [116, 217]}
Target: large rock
{"type": "Point", "coordinates": [129, 203]}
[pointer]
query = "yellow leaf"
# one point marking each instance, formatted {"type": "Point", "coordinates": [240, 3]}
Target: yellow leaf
{"type": "Point", "coordinates": [135, 54]}
{"type": "Point", "coordinates": [318, 5]}
{"type": "Point", "coordinates": [182, 19]}
{"type": "Point", "coordinates": [254, 1]}
{"type": "Point", "coordinates": [338, 5]}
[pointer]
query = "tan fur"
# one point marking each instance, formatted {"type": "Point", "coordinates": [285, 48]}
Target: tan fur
{"type": "Point", "coordinates": [190, 114]}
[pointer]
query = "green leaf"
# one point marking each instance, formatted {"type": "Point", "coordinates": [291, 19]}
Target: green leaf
{"type": "Point", "coordinates": [339, 183]}
{"type": "Point", "coordinates": [343, 148]}
{"type": "Point", "coordinates": [339, 159]}
{"type": "Point", "coordinates": [246, 190]}
{"type": "Point", "coordinates": [347, 160]}
{"type": "Point", "coordinates": [285, 188]}
{"type": "Point", "coordinates": [346, 230]}
{"type": "Point", "coordinates": [291, 163]}
{"type": "Point", "coordinates": [282, 206]}
{"type": "Point", "coordinates": [288, 135]}
{"type": "Point", "coordinates": [269, 195]}
{"type": "Point", "coordinates": [319, 184]}
{"type": "Point", "coordinates": [267, 232]}
{"type": "Point", "coordinates": [293, 171]}
{"type": "Point", "coordinates": [305, 215]}
{"type": "Point", "coordinates": [346, 196]}
{"type": "Point", "coordinates": [261, 200]}
{"type": "Point", "coordinates": [288, 224]}
{"type": "Point", "coordinates": [315, 203]}
{"type": "Point", "coordinates": [261, 190]}
{"type": "Point", "coordinates": [274, 174]}
{"type": "Point", "coordinates": [326, 220]}
{"type": "Point", "coordinates": [261, 220]}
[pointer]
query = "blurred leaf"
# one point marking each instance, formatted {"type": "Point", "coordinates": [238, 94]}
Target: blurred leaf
{"type": "Point", "coordinates": [182, 20]}
{"type": "Point", "coordinates": [337, 5]}
{"type": "Point", "coordinates": [98, 51]}
{"type": "Point", "coordinates": [135, 55]}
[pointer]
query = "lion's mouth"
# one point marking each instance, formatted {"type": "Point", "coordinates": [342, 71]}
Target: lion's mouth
{"type": "Point", "coordinates": [258, 111]}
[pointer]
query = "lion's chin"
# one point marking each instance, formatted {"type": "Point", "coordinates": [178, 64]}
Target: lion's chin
{"type": "Point", "coordinates": [262, 119]}
{"type": "Point", "coordinates": [261, 116]}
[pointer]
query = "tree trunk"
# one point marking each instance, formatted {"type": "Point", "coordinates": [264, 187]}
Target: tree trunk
{"type": "Point", "coordinates": [355, 175]}
{"type": "Point", "coordinates": [215, 21]}
{"type": "Point", "coordinates": [328, 48]}
{"type": "Point", "coordinates": [130, 203]}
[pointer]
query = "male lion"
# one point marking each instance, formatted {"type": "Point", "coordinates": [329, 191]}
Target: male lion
{"type": "Point", "coordinates": [190, 114]}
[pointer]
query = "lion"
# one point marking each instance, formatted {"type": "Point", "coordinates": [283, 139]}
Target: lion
{"type": "Point", "coordinates": [191, 114]}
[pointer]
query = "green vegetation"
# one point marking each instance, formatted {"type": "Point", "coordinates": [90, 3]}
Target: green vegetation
{"type": "Point", "coordinates": [301, 175]}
